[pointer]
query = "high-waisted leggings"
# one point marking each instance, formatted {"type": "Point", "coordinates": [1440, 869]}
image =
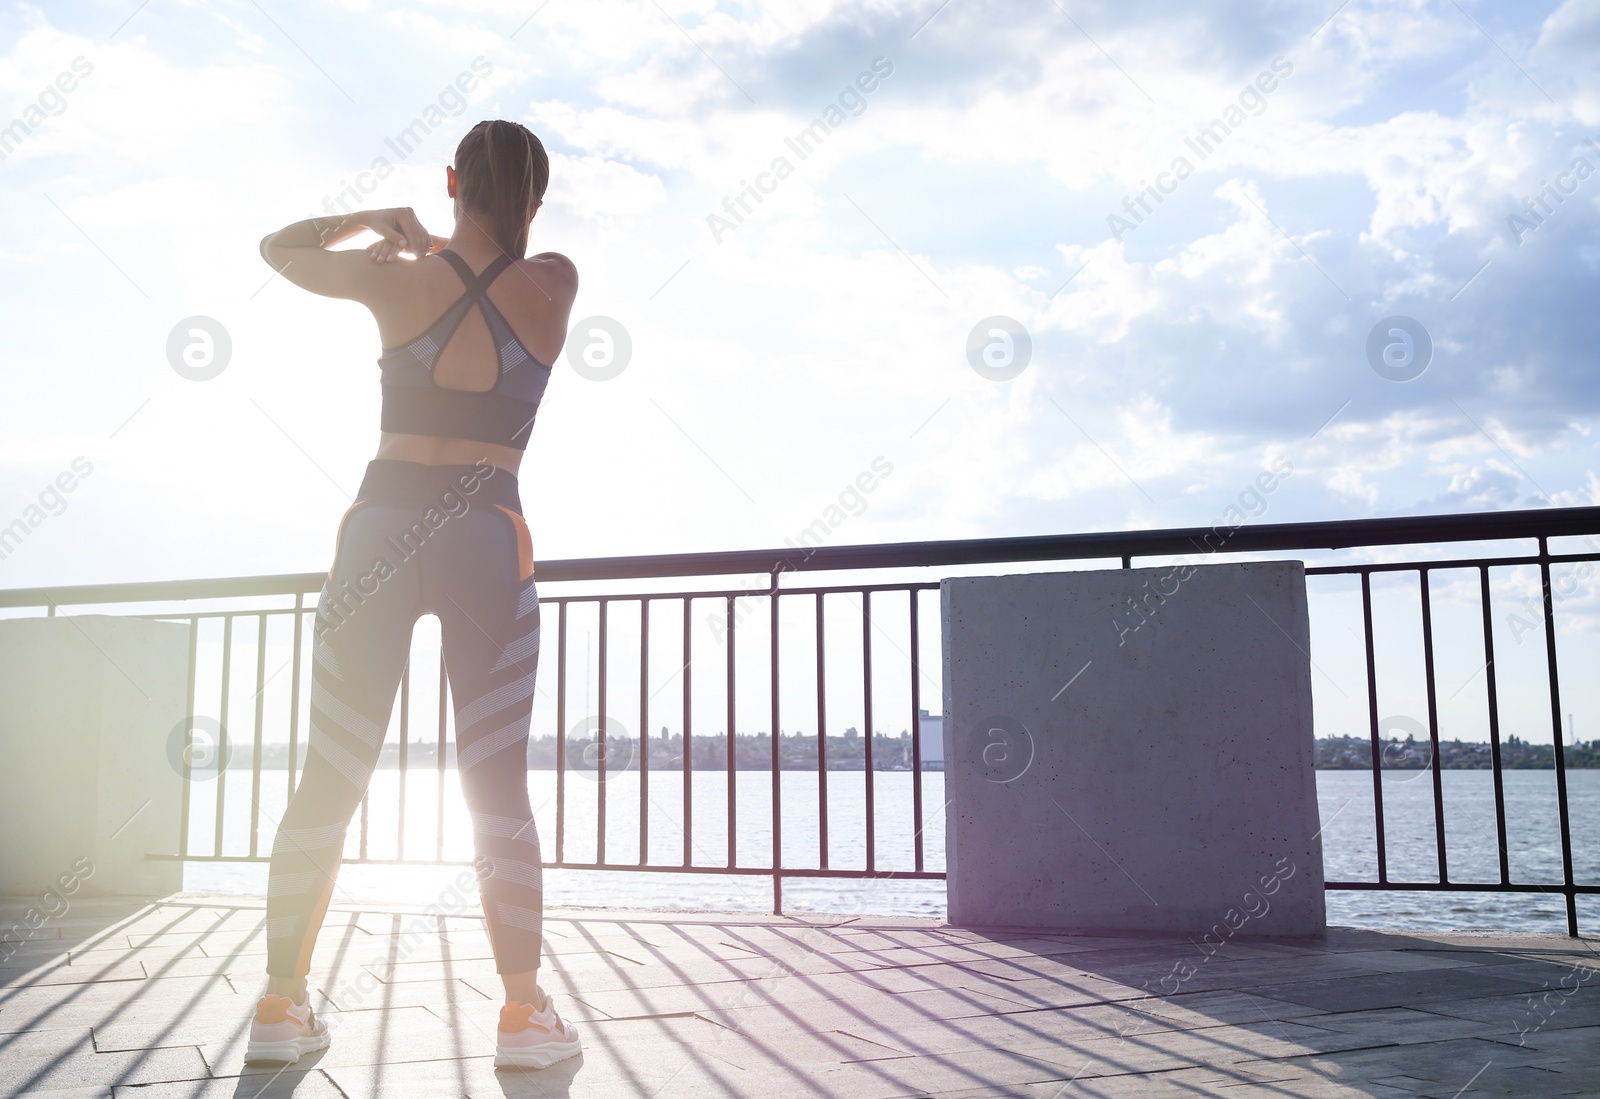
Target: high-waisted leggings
{"type": "Point", "coordinates": [450, 540]}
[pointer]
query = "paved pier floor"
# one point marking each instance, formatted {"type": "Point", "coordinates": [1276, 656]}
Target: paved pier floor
{"type": "Point", "coordinates": [150, 1000]}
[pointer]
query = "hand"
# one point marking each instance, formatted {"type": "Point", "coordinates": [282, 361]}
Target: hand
{"type": "Point", "coordinates": [401, 232]}
{"type": "Point", "coordinates": [384, 251]}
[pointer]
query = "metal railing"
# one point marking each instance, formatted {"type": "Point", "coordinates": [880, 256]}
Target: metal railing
{"type": "Point", "coordinates": [1539, 525]}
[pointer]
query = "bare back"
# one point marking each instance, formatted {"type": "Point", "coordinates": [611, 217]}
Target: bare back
{"type": "Point", "coordinates": [533, 296]}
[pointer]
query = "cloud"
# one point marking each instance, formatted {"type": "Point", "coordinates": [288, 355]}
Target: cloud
{"type": "Point", "coordinates": [831, 325]}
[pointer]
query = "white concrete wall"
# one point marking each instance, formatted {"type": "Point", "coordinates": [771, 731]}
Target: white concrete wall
{"type": "Point", "coordinates": [1170, 787]}
{"type": "Point", "coordinates": [87, 706]}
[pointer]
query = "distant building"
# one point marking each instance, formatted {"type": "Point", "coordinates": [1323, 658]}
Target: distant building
{"type": "Point", "coordinates": [930, 734]}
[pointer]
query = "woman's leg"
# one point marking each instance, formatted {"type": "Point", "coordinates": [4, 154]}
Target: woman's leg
{"type": "Point", "coordinates": [361, 638]}
{"type": "Point", "coordinates": [489, 610]}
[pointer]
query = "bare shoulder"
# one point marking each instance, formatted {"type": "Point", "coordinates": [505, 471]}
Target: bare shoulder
{"type": "Point", "coordinates": [557, 267]}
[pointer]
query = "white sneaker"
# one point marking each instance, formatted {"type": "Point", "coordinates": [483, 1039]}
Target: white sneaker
{"type": "Point", "coordinates": [530, 1038]}
{"type": "Point", "coordinates": [283, 1031]}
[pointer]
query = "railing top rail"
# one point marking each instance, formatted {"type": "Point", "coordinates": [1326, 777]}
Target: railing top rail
{"type": "Point", "coordinates": [1256, 538]}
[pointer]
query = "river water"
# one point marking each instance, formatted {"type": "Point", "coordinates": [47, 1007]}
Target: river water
{"type": "Point", "coordinates": [1345, 798]}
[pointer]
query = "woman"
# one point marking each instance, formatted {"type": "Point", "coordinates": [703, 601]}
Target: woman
{"type": "Point", "coordinates": [436, 527]}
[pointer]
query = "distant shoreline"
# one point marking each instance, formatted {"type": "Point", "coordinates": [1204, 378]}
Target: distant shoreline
{"type": "Point", "coordinates": [1355, 754]}
{"type": "Point", "coordinates": [890, 754]}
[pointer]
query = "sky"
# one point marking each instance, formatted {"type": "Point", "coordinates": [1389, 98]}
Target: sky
{"type": "Point", "coordinates": [1066, 266]}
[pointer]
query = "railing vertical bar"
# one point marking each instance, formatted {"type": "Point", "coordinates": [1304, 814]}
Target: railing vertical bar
{"type": "Point", "coordinates": [255, 751]}
{"type": "Point", "coordinates": [294, 691]}
{"type": "Point", "coordinates": [822, 743]}
{"type": "Point", "coordinates": [405, 757]}
{"type": "Point", "coordinates": [916, 736]}
{"type": "Point", "coordinates": [444, 687]}
{"type": "Point", "coordinates": [1372, 716]}
{"type": "Point", "coordinates": [1425, 586]}
{"type": "Point", "coordinates": [600, 741]}
{"type": "Point", "coordinates": [561, 730]}
{"type": "Point", "coordinates": [643, 739]}
{"type": "Point", "coordinates": [188, 747]}
{"type": "Point", "coordinates": [772, 737]}
{"type": "Point", "coordinates": [732, 749]}
{"type": "Point", "coordinates": [866, 699]}
{"type": "Point", "coordinates": [222, 727]}
{"type": "Point", "coordinates": [1556, 735]}
{"type": "Point", "coordinates": [1494, 724]}
{"type": "Point", "coordinates": [688, 736]}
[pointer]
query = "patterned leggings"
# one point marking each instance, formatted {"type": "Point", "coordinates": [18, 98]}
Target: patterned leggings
{"type": "Point", "coordinates": [446, 539]}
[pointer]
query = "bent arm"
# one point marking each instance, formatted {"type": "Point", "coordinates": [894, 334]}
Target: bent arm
{"type": "Point", "coordinates": [302, 253]}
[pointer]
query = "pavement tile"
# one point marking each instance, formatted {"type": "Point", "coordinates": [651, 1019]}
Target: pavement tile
{"type": "Point", "coordinates": [1017, 1031]}
{"type": "Point", "coordinates": [677, 999]}
{"type": "Point", "coordinates": [1522, 1011]}
{"type": "Point", "coordinates": [1550, 973]}
{"type": "Point", "coordinates": [410, 994]}
{"type": "Point", "coordinates": [1574, 1043]}
{"type": "Point", "coordinates": [1588, 959]}
{"type": "Point", "coordinates": [1402, 1026]}
{"type": "Point", "coordinates": [108, 998]}
{"type": "Point", "coordinates": [151, 956]}
{"type": "Point", "coordinates": [150, 1030]}
{"type": "Point", "coordinates": [1216, 1008]}
{"type": "Point", "coordinates": [161, 1012]}
{"type": "Point", "coordinates": [472, 1012]}
{"type": "Point", "coordinates": [199, 965]}
{"type": "Point", "coordinates": [397, 1036]}
{"type": "Point", "coordinates": [416, 949]}
{"type": "Point", "coordinates": [1446, 1062]}
{"type": "Point", "coordinates": [576, 1078]}
{"type": "Point", "coordinates": [1188, 1082]}
{"type": "Point", "coordinates": [1396, 989]}
{"type": "Point", "coordinates": [29, 1074]}
{"type": "Point", "coordinates": [22, 952]}
{"type": "Point", "coordinates": [105, 970]}
{"type": "Point", "coordinates": [978, 1067]}
{"type": "Point", "coordinates": [49, 1043]}
{"type": "Point", "coordinates": [603, 973]}
{"type": "Point", "coordinates": [20, 965]}
{"type": "Point", "coordinates": [1058, 992]}
{"type": "Point", "coordinates": [1308, 1087]}
{"type": "Point", "coordinates": [1516, 1082]}
{"type": "Point", "coordinates": [293, 1083]}
{"type": "Point", "coordinates": [820, 1016]}
{"type": "Point", "coordinates": [1406, 961]}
